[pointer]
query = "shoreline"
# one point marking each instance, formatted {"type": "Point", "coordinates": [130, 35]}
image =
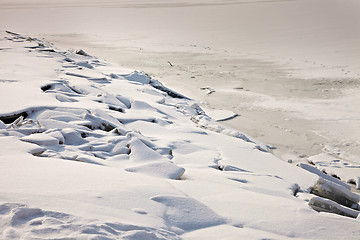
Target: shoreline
{"type": "Point", "coordinates": [122, 159]}
{"type": "Point", "coordinates": [270, 61]}
{"type": "Point", "coordinates": [273, 106]}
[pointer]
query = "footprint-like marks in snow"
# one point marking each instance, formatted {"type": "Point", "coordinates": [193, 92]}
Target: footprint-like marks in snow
{"type": "Point", "coordinates": [22, 222]}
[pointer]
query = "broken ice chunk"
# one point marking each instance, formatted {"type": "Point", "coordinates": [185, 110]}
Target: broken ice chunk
{"type": "Point", "coordinates": [72, 137]}
{"type": "Point", "coordinates": [325, 205]}
{"type": "Point", "coordinates": [41, 139]}
{"type": "Point", "coordinates": [159, 169]}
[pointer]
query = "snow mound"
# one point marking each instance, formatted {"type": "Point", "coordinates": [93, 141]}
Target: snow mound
{"type": "Point", "coordinates": [187, 213]}
{"type": "Point", "coordinates": [41, 139]}
{"type": "Point", "coordinates": [339, 168]}
{"type": "Point", "coordinates": [206, 122]}
{"type": "Point", "coordinates": [159, 169]}
{"type": "Point", "coordinates": [316, 171]}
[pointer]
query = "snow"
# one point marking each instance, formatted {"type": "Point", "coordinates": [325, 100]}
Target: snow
{"type": "Point", "coordinates": [347, 171]}
{"type": "Point", "coordinates": [160, 169]}
{"type": "Point", "coordinates": [221, 115]}
{"type": "Point", "coordinates": [323, 175]}
{"type": "Point", "coordinates": [195, 216]}
{"type": "Point", "coordinates": [338, 193]}
{"type": "Point", "coordinates": [123, 159]}
{"type": "Point", "coordinates": [41, 139]}
{"type": "Point", "coordinates": [327, 205]}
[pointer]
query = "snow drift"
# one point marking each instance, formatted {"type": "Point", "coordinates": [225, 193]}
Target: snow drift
{"type": "Point", "coordinates": [92, 151]}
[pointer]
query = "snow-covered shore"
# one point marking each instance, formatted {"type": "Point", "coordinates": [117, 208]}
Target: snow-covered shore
{"type": "Point", "coordinates": [90, 150]}
{"type": "Point", "coordinates": [288, 69]}
{"type": "Point", "coordinates": [123, 156]}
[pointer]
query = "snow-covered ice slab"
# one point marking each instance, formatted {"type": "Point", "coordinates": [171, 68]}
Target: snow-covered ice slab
{"type": "Point", "coordinates": [345, 170]}
{"type": "Point", "coordinates": [326, 205]}
{"type": "Point", "coordinates": [221, 115]}
{"type": "Point", "coordinates": [337, 193]}
{"type": "Point", "coordinates": [30, 223]}
{"type": "Point", "coordinates": [92, 151]}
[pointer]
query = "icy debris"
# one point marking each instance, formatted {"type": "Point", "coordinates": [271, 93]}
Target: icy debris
{"type": "Point", "coordinates": [120, 148]}
{"type": "Point", "coordinates": [72, 137]}
{"type": "Point", "coordinates": [36, 150]}
{"type": "Point", "coordinates": [199, 117]}
{"type": "Point", "coordinates": [209, 90]}
{"type": "Point", "coordinates": [67, 126]}
{"type": "Point", "coordinates": [61, 87]}
{"type": "Point", "coordinates": [14, 118]}
{"type": "Point", "coordinates": [221, 115]}
{"type": "Point", "coordinates": [347, 171]}
{"type": "Point", "coordinates": [68, 59]}
{"type": "Point", "coordinates": [164, 151]}
{"type": "Point", "coordinates": [41, 139]}
{"type": "Point", "coordinates": [56, 124]}
{"type": "Point", "coordinates": [337, 193]}
{"type": "Point", "coordinates": [18, 122]}
{"type": "Point", "coordinates": [100, 119]}
{"type": "Point", "coordinates": [325, 205]}
{"type": "Point", "coordinates": [206, 122]}
{"type": "Point", "coordinates": [2, 125]}
{"type": "Point", "coordinates": [322, 175]}
{"type": "Point", "coordinates": [140, 152]}
{"type": "Point", "coordinates": [119, 131]}
{"type": "Point", "coordinates": [88, 159]}
{"type": "Point", "coordinates": [77, 75]}
{"type": "Point", "coordinates": [113, 75]}
{"type": "Point", "coordinates": [15, 34]}
{"type": "Point", "coordinates": [191, 110]}
{"type": "Point", "coordinates": [142, 105]}
{"type": "Point", "coordinates": [113, 101]}
{"type": "Point", "coordinates": [60, 115]}
{"type": "Point", "coordinates": [92, 136]}
{"type": "Point", "coordinates": [56, 134]}
{"type": "Point", "coordinates": [138, 77]}
{"type": "Point", "coordinates": [158, 85]}
{"type": "Point", "coordinates": [229, 168]}
{"type": "Point", "coordinates": [295, 188]}
{"type": "Point", "coordinates": [124, 100]}
{"type": "Point", "coordinates": [47, 50]}
{"type": "Point", "coordinates": [156, 158]}
{"type": "Point", "coordinates": [81, 52]}
{"type": "Point", "coordinates": [15, 37]}
{"type": "Point", "coordinates": [142, 138]}
{"type": "Point", "coordinates": [86, 131]}
{"type": "Point", "coordinates": [84, 64]}
{"type": "Point", "coordinates": [63, 98]}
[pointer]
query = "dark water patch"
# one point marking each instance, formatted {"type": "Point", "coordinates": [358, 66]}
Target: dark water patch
{"type": "Point", "coordinates": [11, 118]}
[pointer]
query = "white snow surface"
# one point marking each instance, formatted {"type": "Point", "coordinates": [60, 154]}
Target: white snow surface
{"type": "Point", "coordinates": [90, 150]}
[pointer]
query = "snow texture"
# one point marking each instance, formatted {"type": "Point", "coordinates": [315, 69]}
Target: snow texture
{"type": "Point", "coordinates": [91, 151]}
